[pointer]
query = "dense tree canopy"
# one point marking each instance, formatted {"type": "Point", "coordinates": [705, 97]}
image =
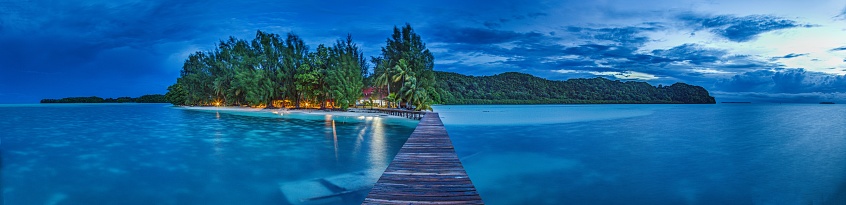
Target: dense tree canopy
{"type": "Point", "coordinates": [405, 70]}
{"type": "Point", "coordinates": [272, 71]}
{"type": "Point", "coordinates": [521, 88]}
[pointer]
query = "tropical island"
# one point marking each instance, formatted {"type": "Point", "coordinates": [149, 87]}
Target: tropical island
{"type": "Point", "coordinates": [155, 98]}
{"type": "Point", "coordinates": [282, 72]}
{"type": "Point", "coordinates": [274, 71]}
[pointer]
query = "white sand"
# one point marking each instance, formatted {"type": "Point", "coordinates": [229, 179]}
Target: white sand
{"type": "Point", "coordinates": [286, 111]}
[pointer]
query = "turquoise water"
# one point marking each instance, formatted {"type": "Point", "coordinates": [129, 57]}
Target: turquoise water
{"type": "Point", "coordinates": [157, 154]}
{"type": "Point", "coordinates": [653, 154]}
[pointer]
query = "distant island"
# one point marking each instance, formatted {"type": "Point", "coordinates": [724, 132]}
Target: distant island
{"type": "Point", "coordinates": [737, 102]}
{"type": "Point", "coordinates": [521, 88]}
{"type": "Point", "coordinates": [826, 102]}
{"type": "Point", "coordinates": [156, 98]}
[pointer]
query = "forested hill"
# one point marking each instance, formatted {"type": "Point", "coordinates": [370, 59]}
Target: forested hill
{"type": "Point", "coordinates": [521, 88]}
{"type": "Point", "coordinates": [156, 98]}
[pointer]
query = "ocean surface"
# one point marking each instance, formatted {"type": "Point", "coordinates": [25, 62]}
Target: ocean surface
{"type": "Point", "coordinates": [652, 154]}
{"type": "Point", "coordinates": [67, 154]}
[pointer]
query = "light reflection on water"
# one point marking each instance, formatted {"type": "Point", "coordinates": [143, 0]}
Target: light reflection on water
{"type": "Point", "coordinates": [376, 152]}
{"type": "Point", "coordinates": [153, 154]}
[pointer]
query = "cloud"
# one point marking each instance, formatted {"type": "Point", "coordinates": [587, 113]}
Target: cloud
{"type": "Point", "coordinates": [492, 25]}
{"type": "Point", "coordinates": [808, 97]}
{"type": "Point", "coordinates": [469, 35]}
{"type": "Point", "coordinates": [842, 15]}
{"type": "Point", "coordinates": [107, 48]}
{"type": "Point", "coordinates": [739, 29]}
{"type": "Point", "coordinates": [45, 42]}
{"type": "Point", "coordinates": [614, 52]}
{"type": "Point", "coordinates": [62, 36]}
{"type": "Point", "coordinates": [755, 81]}
{"type": "Point", "coordinates": [692, 53]}
{"type": "Point", "coordinates": [623, 75]}
{"type": "Point", "coordinates": [783, 81]}
{"type": "Point", "coordinates": [791, 81]}
{"type": "Point", "coordinates": [591, 51]}
{"type": "Point", "coordinates": [789, 56]}
{"type": "Point", "coordinates": [630, 35]}
{"type": "Point", "coordinates": [793, 55]}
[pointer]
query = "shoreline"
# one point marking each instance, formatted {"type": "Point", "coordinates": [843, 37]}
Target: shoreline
{"type": "Point", "coordinates": [284, 111]}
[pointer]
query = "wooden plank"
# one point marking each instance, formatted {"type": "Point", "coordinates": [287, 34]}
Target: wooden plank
{"type": "Point", "coordinates": [425, 171]}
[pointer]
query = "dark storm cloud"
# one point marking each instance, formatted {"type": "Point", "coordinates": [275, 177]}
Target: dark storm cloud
{"type": "Point", "coordinates": [739, 29]}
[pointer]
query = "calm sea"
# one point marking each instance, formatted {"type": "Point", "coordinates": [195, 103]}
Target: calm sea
{"type": "Point", "coordinates": [157, 154]}
{"type": "Point", "coordinates": [653, 154]}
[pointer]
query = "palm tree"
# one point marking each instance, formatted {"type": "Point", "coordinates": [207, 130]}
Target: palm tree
{"type": "Point", "coordinates": [391, 98]}
{"type": "Point", "coordinates": [403, 72]}
{"type": "Point", "coordinates": [408, 90]}
{"type": "Point", "coordinates": [422, 98]}
{"type": "Point", "coordinates": [383, 74]}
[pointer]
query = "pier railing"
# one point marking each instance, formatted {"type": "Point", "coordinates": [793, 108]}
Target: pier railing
{"type": "Point", "coordinates": [410, 114]}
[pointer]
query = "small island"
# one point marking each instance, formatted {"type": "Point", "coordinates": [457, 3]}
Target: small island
{"type": "Point", "coordinates": [827, 103]}
{"type": "Point", "coordinates": [155, 98]}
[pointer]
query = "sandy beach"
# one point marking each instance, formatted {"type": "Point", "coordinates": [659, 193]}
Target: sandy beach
{"type": "Point", "coordinates": [287, 111]}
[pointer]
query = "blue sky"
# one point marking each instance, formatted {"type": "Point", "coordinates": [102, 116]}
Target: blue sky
{"type": "Point", "coordinates": [762, 51]}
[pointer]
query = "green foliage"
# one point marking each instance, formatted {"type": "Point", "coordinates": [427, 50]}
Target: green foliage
{"type": "Point", "coordinates": [521, 88]}
{"type": "Point", "coordinates": [176, 94]}
{"type": "Point", "coordinates": [345, 74]}
{"type": "Point", "coordinates": [271, 69]}
{"type": "Point", "coordinates": [405, 58]}
{"type": "Point", "coordinates": [156, 98]}
{"type": "Point", "coordinates": [319, 64]}
{"type": "Point", "coordinates": [295, 55]}
{"type": "Point", "coordinates": [92, 99]}
{"type": "Point", "coordinates": [307, 83]}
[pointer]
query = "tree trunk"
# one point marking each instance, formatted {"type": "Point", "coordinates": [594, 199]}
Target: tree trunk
{"type": "Point", "coordinates": [297, 100]}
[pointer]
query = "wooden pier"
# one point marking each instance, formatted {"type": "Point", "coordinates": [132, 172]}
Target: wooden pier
{"type": "Point", "coordinates": [425, 171]}
{"type": "Point", "coordinates": [410, 114]}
